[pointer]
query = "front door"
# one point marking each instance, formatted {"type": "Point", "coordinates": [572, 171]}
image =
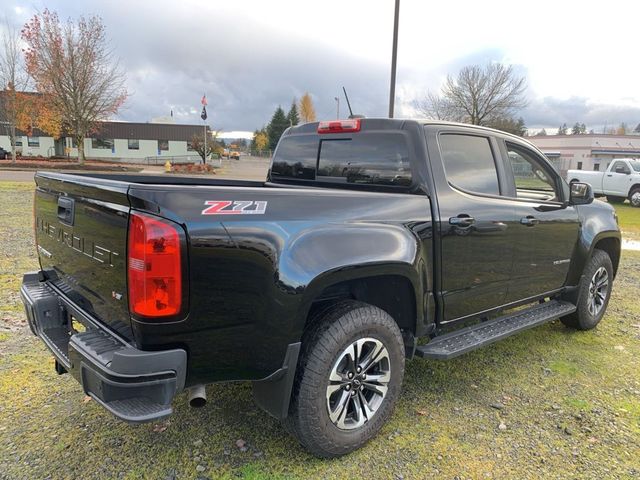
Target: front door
{"type": "Point", "coordinates": [617, 180]}
{"type": "Point", "coordinates": [547, 229]}
{"type": "Point", "coordinates": [476, 223]}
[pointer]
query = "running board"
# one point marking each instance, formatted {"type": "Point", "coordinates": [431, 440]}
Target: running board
{"type": "Point", "coordinates": [466, 339]}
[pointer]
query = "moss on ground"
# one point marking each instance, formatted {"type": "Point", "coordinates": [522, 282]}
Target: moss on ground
{"type": "Point", "coordinates": [569, 402]}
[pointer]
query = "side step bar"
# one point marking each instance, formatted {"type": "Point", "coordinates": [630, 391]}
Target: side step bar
{"type": "Point", "coordinates": [464, 340]}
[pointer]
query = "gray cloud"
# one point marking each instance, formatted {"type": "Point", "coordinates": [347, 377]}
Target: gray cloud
{"type": "Point", "coordinates": [552, 111]}
{"type": "Point", "coordinates": [173, 54]}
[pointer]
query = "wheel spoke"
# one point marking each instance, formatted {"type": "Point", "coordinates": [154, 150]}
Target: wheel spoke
{"type": "Point", "coordinates": [340, 409]}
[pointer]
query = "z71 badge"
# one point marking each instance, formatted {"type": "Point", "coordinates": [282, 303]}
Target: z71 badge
{"type": "Point", "coordinates": [238, 207]}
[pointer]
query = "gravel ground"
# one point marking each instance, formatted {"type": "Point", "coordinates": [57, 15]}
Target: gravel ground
{"type": "Point", "coordinates": [549, 403]}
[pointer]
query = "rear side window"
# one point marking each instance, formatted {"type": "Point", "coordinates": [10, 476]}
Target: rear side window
{"type": "Point", "coordinates": [296, 157]}
{"type": "Point", "coordinates": [380, 159]}
{"type": "Point", "coordinates": [469, 163]}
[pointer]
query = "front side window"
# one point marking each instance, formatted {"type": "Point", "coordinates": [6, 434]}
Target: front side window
{"type": "Point", "coordinates": [134, 144]}
{"type": "Point", "coordinates": [102, 143]}
{"type": "Point", "coordinates": [469, 163]}
{"type": "Point", "coordinates": [381, 159]}
{"type": "Point", "coordinates": [533, 179]}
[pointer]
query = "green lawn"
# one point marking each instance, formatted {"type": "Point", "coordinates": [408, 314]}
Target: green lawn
{"type": "Point", "coordinates": [570, 402]}
{"type": "Point", "coordinates": [629, 218]}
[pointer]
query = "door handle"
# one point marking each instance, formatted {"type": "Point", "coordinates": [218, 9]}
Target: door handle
{"type": "Point", "coordinates": [66, 210]}
{"type": "Point", "coordinates": [462, 220]}
{"type": "Point", "coordinates": [529, 221]}
{"type": "Point", "coordinates": [610, 175]}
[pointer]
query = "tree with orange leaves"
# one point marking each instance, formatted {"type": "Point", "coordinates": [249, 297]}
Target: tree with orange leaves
{"type": "Point", "coordinates": [35, 111]}
{"type": "Point", "coordinates": [75, 71]}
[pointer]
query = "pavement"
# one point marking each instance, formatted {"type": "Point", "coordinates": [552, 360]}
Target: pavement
{"type": "Point", "coordinates": [247, 168]}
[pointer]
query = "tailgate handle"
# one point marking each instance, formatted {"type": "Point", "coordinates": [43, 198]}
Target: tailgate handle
{"type": "Point", "coordinates": [66, 209]}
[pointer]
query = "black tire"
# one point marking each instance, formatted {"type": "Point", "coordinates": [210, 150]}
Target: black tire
{"type": "Point", "coordinates": [634, 197]}
{"type": "Point", "coordinates": [586, 318]}
{"type": "Point", "coordinates": [333, 331]}
{"type": "Point", "coordinates": [615, 199]}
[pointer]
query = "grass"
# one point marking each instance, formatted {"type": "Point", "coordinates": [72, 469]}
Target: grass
{"type": "Point", "coordinates": [629, 218]}
{"type": "Point", "coordinates": [571, 406]}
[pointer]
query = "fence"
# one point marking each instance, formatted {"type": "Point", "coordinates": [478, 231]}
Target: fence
{"type": "Point", "coordinates": [175, 159]}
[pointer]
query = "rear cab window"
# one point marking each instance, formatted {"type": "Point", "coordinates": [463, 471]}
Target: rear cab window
{"type": "Point", "coordinates": [375, 158]}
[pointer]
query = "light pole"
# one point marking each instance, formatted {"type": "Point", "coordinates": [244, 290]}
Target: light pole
{"type": "Point", "coordinates": [394, 55]}
{"type": "Point", "coordinates": [337, 107]}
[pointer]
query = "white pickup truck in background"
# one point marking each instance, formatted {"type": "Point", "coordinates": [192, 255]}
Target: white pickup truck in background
{"type": "Point", "coordinates": [619, 182]}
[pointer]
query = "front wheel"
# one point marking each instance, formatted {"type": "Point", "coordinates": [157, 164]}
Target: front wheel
{"type": "Point", "coordinates": [634, 197]}
{"type": "Point", "coordinates": [594, 293]}
{"type": "Point", "coordinates": [348, 378]}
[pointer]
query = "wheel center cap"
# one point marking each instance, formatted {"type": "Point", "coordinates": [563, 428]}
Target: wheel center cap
{"type": "Point", "coordinates": [357, 383]}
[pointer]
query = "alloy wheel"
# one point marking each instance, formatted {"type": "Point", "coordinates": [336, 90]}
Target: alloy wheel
{"type": "Point", "coordinates": [358, 383]}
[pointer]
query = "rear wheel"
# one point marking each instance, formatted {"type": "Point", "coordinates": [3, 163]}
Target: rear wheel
{"type": "Point", "coordinates": [615, 199]}
{"type": "Point", "coordinates": [634, 197]}
{"type": "Point", "coordinates": [594, 293]}
{"type": "Point", "coordinates": [348, 379]}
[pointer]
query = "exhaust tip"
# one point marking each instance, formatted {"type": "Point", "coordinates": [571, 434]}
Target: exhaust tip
{"type": "Point", "coordinates": [197, 396]}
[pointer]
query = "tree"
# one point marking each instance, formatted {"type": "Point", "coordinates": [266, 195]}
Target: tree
{"type": "Point", "coordinates": [75, 70]}
{"type": "Point", "coordinates": [542, 133]}
{"type": "Point", "coordinates": [622, 129]}
{"type": "Point", "coordinates": [510, 125]}
{"type": "Point", "coordinates": [478, 95]}
{"type": "Point", "coordinates": [307, 110]}
{"type": "Point", "coordinates": [276, 127]}
{"type": "Point", "coordinates": [562, 130]}
{"type": "Point", "coordinates": [260, 141]}
{"type": "Point", "coordinates": [13, 81]}
{"type": "Point", "coordinates": [293, 116]}
{"type": "Point", "coordinates": [213, 146]}
{"type": "Point", "coordinates": [579, 129]}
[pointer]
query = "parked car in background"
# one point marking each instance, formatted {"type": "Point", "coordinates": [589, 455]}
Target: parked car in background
{"type": "Point", "coordinates": [621, 181]}
{"type": "Point", "coordinates": [4, 154]}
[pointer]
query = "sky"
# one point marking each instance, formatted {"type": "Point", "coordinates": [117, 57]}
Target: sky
{"type": "Point", "coordinates": [581, 59]}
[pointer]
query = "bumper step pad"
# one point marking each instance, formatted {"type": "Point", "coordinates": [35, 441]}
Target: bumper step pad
{"type": "Point", "coordinates": [464, 340]}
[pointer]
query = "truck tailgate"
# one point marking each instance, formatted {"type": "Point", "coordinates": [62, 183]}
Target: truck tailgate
{"type": "Point", "coordinates": [81, 237]}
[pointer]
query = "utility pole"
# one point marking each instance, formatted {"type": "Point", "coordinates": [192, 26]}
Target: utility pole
{"type": "Point", "coordinates": [337, 107]}
{"type": "Point", "coordinates": [394, 56]}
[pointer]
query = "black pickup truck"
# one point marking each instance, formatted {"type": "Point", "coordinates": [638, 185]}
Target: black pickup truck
{"type": "Point", "coordinates": [315, 285]}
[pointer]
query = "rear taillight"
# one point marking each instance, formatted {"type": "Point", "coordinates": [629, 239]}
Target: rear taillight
{"type": "Point", "coordinates": [154, 265]}
{"type": "Point", "coordinates": [339, 126]}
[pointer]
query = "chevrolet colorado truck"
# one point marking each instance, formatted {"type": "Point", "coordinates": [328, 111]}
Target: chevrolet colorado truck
{"type": "Point", "coordinates": [315, 285]}
{"type": "Point", "coordinates": [619, 182]}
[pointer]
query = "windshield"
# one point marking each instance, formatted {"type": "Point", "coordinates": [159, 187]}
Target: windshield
{"type": "Point", "coordinates": [635, 164]}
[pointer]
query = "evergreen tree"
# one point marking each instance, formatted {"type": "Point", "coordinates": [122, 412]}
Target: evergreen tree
{"type": "Point", "coordinates": [542, 133]}
{"type": "Point", "coordinates": [575, 130]}
{"type": "Point", "coordinates": [562, 130]}
{"type": "Point", "coordinates": [292, 116]}
{"type": "Point", "coordinates": [276, 127]}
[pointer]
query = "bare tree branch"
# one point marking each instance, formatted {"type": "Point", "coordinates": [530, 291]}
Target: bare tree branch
{"type": "Point", "coordinates": [478, 95]}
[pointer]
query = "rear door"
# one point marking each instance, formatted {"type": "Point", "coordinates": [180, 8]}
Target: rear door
{"type": "Point", "coordinates": [476, 224]}
{"type": "Point", "coordinates": [547, 228]}
{"type": "Point", "coordinates": [81, 236]}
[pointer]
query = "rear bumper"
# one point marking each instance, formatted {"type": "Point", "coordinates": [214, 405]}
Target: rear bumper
{"type": "Point", "coordinates": [135, 385]}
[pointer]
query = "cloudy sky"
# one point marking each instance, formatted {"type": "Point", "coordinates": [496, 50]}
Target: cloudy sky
{"type": "Point", "coordinates": [581, 60]}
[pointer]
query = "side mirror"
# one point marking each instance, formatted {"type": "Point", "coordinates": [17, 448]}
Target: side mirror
{"type": "Point", "coordinates": [624, 170]}
{"type": "Point", "coordinates": [581, 194]}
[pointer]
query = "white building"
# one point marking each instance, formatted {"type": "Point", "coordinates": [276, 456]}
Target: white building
{"type": "Point", "coordinates": [586, 152]}
{"type": "Point", "coordinates": [115, 141]}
